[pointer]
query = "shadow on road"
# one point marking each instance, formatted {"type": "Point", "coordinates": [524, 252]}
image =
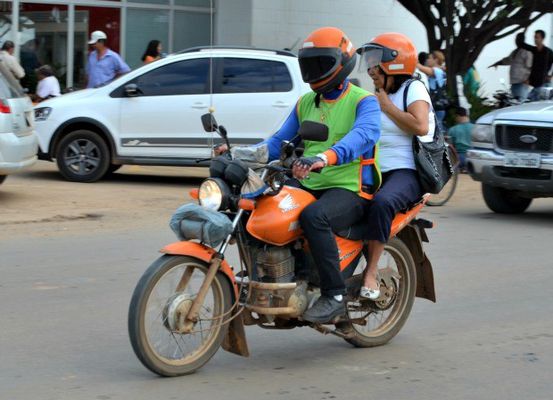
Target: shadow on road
{"type": "Point", "coordinates": [124, 177]}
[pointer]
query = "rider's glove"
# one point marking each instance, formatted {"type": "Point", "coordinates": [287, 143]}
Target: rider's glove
{"type": "Point", "coordinates": [307, 162]}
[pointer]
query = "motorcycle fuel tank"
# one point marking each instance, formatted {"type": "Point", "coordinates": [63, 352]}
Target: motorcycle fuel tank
{"type": "Point", "coordinates": [275, 219]}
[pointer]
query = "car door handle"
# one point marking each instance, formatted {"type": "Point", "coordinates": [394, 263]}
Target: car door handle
{"type": "Point", "coordinates": [199, 105]}
{"type": "Point", "coordinates": [281, 104]}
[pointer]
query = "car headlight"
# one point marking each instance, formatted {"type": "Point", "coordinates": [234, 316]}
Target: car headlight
{"type": "Point", "coordinates": [214, 194]}
{"type": "Point", "coordinates": [482, 133]}
{"type": "Point", "coordinates": [42, 113]}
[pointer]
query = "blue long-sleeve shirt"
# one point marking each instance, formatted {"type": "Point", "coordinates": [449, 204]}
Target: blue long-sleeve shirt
{"type": "Point", "coordinates": [359, 141]}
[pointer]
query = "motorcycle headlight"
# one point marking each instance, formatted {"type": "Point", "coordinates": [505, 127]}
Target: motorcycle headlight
{"type": "Point", "coordinates": [214, 194]}
{"type": "Point", "coordinates": [482, 133]}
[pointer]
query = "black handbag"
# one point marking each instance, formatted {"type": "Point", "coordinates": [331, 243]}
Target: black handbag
{"type": "Point", "coordinates": [432, 159]}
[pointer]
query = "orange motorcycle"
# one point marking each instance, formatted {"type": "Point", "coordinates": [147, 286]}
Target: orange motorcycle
{"type": "Point", "coordinates": [191, 301]}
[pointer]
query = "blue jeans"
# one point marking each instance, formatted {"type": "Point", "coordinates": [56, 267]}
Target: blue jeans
{"type": "Point", "coordinates": [520, 91]}
{"type": "Point", "coordinates": [400, 189]}
{"type": "Point", "coordinates": [536, 92]}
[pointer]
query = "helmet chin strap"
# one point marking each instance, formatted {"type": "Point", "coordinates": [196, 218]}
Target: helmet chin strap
{"type": "Point", "coordinates": [319, 94]}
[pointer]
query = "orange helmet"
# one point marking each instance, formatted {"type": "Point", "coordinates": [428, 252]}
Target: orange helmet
{"type": "Point", "coordinates": [326, 58]}
{"type": "Point", "coordinates": [394, 52]}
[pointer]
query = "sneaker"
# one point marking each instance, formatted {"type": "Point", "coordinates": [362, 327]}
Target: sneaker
{"type": "Point", "coordinates": [325, 310]}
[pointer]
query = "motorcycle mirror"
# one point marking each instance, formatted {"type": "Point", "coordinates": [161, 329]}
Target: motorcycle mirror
{"type": "Point", "coordinates": [209, 123]}
{"type": "Point", "coordinates": [313, 131]}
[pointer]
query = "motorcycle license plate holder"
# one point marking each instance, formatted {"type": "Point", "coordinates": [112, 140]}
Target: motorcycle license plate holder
{"type": "Point", "coordinates": [522, 160]}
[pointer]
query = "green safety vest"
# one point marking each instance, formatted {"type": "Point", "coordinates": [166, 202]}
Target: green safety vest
{"type": "Point", "coordinates": [339, 116]}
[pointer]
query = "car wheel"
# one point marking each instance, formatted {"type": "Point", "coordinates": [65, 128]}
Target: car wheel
{"type": "Point", "coordinates": [504, 201]}
{"type": "Point", "coordinates": [83, 156]}
{"type": "Point", "coordinates": [2, 178]}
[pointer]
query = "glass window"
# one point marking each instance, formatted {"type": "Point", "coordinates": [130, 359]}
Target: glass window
{"type": "Point", "coordinates": [88, 20]}
{"type": "Point", "coordinates": [42, 40]}
{"type": "Point", "coordinates": [142, 27]}
{"type": "Point", "coordinates": [183, 77]}
{"type": "Point", "coordinates": [194, 3]}
{"type": "Point", "coordinates": [190, 29]}
{"type": "Point", "coordinates": [243, 75]}
{"type": "Point", "coordinates": [151, 1]}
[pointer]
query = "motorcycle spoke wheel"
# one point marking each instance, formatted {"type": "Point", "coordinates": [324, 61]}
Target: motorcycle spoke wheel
{"type": "Point", "coordinates": [157, 314]}
{"type": "Point", "coordinates": [376, 323]}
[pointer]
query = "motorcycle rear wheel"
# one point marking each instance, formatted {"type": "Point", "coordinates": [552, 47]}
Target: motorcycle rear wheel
{"type": "Point", "coordinates": [389, 321]}
{"type": "Point", "coordinates": [161, 298]}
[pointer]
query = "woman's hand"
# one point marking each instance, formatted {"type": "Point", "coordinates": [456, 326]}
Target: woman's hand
{"type": "Point", "coordinates": [384, 100]}
{"type": "Point", "coordinates": [304, 165]}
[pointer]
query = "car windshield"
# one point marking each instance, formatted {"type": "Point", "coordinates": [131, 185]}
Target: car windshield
{"type": "Point", "coordinates": [9, 86]}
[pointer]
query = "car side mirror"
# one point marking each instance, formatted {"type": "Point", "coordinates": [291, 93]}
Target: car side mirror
{"type": "Point", "coordinates": [209, 122]}
{"type": "Point", "coordinates": [132, 90]}
{"type": "Point", "coordinates": [313, 131]}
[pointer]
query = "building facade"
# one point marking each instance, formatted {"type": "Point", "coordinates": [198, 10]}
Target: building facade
{"type": "Point", "coordinates": [55, 32]}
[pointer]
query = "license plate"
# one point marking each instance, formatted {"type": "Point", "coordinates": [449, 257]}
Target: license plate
{"type": "Point", "coordinates": [522, 160]}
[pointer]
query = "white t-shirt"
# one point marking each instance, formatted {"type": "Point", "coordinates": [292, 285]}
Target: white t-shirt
{"type": "Point", "coordinates": [396, 146]}
{"type": "Point", "coordinates": [48, 86]}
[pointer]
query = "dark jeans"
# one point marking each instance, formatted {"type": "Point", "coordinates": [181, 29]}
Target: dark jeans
{"type": "Point", "coordinates": [400, 189]}
{"type": "Point", "coordinates": [335, 209]}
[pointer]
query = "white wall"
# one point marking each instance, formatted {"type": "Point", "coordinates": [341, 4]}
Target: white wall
{"type": "Point", "coordinates": [233, 22]}
{"type": "Point", "coordinates": [283, 23]}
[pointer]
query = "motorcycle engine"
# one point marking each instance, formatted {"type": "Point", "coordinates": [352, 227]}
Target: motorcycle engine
{"type": "Point", "coordinates": [275, 264]}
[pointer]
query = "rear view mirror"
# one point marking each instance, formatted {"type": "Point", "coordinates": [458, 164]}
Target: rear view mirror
{"type": "Point", "coordinates": [209, 123]}
{"type": "Point", "coordinates": [132, 90]}
{"type": "Point", "coordinates": [313, 131]}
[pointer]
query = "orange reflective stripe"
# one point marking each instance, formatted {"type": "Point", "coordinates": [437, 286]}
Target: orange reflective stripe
{"type": "Point", "coordinates": [367, 161]}
{"type": "Point", "coordinates": [366, 195]}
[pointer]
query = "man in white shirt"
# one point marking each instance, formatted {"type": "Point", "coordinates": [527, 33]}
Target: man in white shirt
{"type": "Point", "coordinates": [10, 61]}
{"type": "Point", "coordinates": [48, 85]}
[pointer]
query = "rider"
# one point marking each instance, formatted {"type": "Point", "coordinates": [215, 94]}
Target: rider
{"type": "Point", "coordinates": [342, 189]}
{"type": "Point", "coordinates": [390, 61]}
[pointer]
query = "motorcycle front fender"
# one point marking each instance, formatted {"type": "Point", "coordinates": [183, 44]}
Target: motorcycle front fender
{"type": "Point", "coordinates": [201, 252]}
{"type": "Point", "coordinates": [235, 340]}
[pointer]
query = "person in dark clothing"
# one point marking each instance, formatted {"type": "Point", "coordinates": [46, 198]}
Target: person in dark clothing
{"type": "Point", "coordinates": [543, 59]}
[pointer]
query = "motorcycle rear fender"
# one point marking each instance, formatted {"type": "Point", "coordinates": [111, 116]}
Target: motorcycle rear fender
{"type": "Point", "coordinates": [413, 235]}
{"type": "Point", "coordinates": [235, 340]}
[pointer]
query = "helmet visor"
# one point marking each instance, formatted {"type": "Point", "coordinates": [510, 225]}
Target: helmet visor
{"type": "Point", "coordinates": [318, 63]}
{"type": "Point", "coordinates": [370, 58]}
{"type": "Point", "coordinates": [374, 54]}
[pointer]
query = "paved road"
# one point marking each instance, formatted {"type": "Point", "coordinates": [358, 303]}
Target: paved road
{"type": "Point", "coordinates": [68, 272]}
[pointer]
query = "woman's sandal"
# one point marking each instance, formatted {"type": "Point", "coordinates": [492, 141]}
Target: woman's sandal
{"type": "Point", "coordinates": [369, 293]}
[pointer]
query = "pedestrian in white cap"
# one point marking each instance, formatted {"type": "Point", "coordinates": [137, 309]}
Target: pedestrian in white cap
{"type": "Point", "coordinates": [104, 64]}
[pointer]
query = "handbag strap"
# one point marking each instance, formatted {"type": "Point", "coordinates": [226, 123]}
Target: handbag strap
{"type": "Point", "coordinates": [405, 92]}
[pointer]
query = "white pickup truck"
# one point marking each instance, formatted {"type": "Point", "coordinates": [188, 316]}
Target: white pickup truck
{"type": "Point", "coordinates": [512, 156]}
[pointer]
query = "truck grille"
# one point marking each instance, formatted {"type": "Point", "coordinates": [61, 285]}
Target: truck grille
{"type": "Point", "coordinates": [508, 137]}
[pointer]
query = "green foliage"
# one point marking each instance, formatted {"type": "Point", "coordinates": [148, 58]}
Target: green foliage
{"type": "Point", "coordinates": [478, 108]}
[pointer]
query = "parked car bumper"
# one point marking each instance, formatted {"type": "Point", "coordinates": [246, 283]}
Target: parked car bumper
{"type": "Point", "coordinates": [487, 166]}
{"type": "Point", "coordinates": [17, 152]}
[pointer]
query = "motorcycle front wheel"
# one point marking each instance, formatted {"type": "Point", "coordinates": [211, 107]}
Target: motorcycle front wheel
{"type": "Point", "coordinates": [159, 304]}
{"type": "Point", "coordinates": [376, 323]}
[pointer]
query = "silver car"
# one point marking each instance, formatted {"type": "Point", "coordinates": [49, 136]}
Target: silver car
{"type": "Point", "coordinates": [512, 156]}
{"type": "Point", "coordinates": [18, 142]}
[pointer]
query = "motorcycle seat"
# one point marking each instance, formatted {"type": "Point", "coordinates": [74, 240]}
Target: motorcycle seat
{"type": "Point", "coordinates": [360, 230]}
